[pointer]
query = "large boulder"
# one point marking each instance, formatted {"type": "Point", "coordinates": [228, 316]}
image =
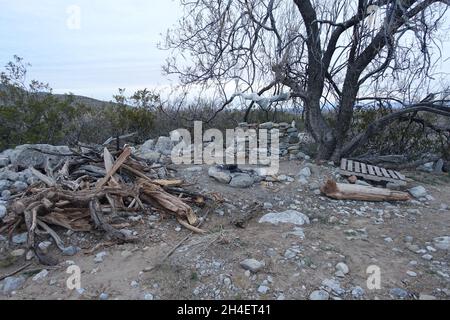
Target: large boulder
{"type": "Point", "coordinates": [151, 156]}
{"type": "Point", "coordinates": [418, 192]}
{"type": "Point", "coordinates": [149, 145]}
{"type": "Point", "coordinates": [241, 180]}
{"type": "Point", "coordinates": [27, 155]}
{"type": "Point", "coordinates": [164, 145]}
{"type": "Point", "coordinates": [12, 284]}
{"type": "Point", "coordinates": [222, 176]}
{"type": "Point", "coordinates": [4, 161]}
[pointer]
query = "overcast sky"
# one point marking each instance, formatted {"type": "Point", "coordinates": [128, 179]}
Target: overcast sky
{"type": "Point", "coordinates": [114, 46]}
{"type": "Point", "coordinates": [111, 44]}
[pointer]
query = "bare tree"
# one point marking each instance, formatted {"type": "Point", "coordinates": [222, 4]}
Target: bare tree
{"type": "Point", "coordinates": [325, 53]}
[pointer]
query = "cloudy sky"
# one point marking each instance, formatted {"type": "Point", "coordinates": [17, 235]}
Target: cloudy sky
{"type": "Point", "coordinates": [113, 46]}
{"type": "Point", "coordinates": [94, 47]}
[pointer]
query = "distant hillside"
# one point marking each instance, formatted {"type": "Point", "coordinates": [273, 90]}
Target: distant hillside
{"type": "Point", "coordinates": [91, 102]}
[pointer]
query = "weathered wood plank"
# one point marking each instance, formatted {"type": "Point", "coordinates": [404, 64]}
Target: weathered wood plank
{"type": "Point", "coordinates": [371, 171]}
{"type": "Point", "coordinates": [349, 165]}
{"type": "Point", "coordinates": [385, 173]}
{"type": "Point", "coordinates": [343, 164]}
{"type": "Point", "coordinates": [377, 171]}
{"type": "Point", "coordinates": [402, 177]}
{"type": "Point", "coordinates": [357, 167]}
{"type": "Point", "coordinates": [363, 168]}
{"type": "Point", "coordinates": [392, 174]}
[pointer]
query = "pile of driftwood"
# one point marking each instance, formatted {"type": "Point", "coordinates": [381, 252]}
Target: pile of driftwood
{"type": "Point", "coordinates": [91, 189]}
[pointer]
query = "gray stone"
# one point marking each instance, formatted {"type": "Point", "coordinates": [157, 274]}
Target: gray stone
{"type": "Point", "coordinates": [427, 167]}
{"type": "Point", "coordinates": [263, 289]}
{"type": "Point", "coordinates": [442, 243]}
{"type": "Point", "coordinates": [362, 183]}
{"type": "Point", "coordinates": [148, 145]}
{"type": "Point", "coordinates": [411, 273]}
{"type": "Point", "coordinates": [2, 211]}
{"type": "Point", "coordinates": [358, 292]}
{"type": "Point", "coordinates": [241, 180]}
{"type": "Point", "coordinates": [305, 172]}
{"type": "Point", "coordinates": [19, 186]}
{"type": "Point", "coordinates": [152, 156]}
{"type": "Point", "coordinates": [26, 156]}
{"type": "Point", "coordinates": [148, 296]}
{"type": "Point", "coordinates": [9, 175]}
{"type": "Point", "coordinates": [393, 186]}
{"type": "Point", "coordinates": [252, 265]}
{"type": "Point", "coordinates": [267, 125]}
{"type": "Point", "coordinates": [6, 195]}
{"type": "Point", "coordinates": [40, 276]}
{"type": "Point", "coordinates": [289, 216]}
{"type": "Point", "coordinates": [4, 162]}
{"type": "Point", "coordinates": [439, 166]}
{"type": "Point", "coordinates": [418, 192]}
{"type": "Point", "coordinates": [319, 295]}
{"type": "Point", "coordinates": [194, 169]}
{"type": "Point", "coordinates": [268, 205]}
{"type": "Point", "coordinates": [164, 146]}
{"type": "Point", "coordinates": [44, 245]}
{"type": "Point", "coordinates": [100, 256]}
{"type": "Point", "coordinates": [5, 185]}
{"type": "Point", "coordinates": [11, 284]}
{"type": "Point", "coordinates": [334, 286]}
{"type": "Point", "coordinates": [103, 296]}
{"type": "Point", "coordinates": [18, 253]}
{"type": "Point", "coordinates": [398, 293]}
{"type": "Point", "coordinates": [342, 267]}
{"type": "Point", "coordinates": [70, 251]}
{"type": "Point", "coordinates": [222, 176]}
{"type": "Point", "coordinates": [20, 238]}
{"type": "Point", "coordinates": [427, 257]}
{"type": "Point", "coordinates": [314, 186]}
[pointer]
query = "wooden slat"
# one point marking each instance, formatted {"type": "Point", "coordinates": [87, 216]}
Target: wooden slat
{"type": "Point", "coordinates": [344, 164]}
{"type": "Point", "coordinates": [357, 167]}
{"type": "Point", "coordinates": [392, 174]}
{"type": "Point", "coordinates": [363, 168]}
{"type": "Point", "coordinates": [377, 171]}
{"type": "Point", "coordinates": [402, 177]}
{"type": "Point", "coordinates": [349, 165]}
{"type": "Point", "coordinates": [385, 173]}
{"type": "Point", "coordinates": [371, 171]}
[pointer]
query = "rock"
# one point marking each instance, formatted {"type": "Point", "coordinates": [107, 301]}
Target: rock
{"type": "Point", "coordinates": [268, 205]}
{"type": "Point", "coordinates": [314, 186]}
{"type": "Point", "coordinates": [11, 284]}
{"type": "Point", "coordinates": [148, 145]}
{"type": "Point", "coordinates": [194, 169]}
{"type": "Point", "coordinates": [357, 292]}
{"type": "Point", "coordinates": [44, 245]}
{"type": "Point", "coordinates": [19, 186]}
{"type": "Point", "coordinates": [289, 216]}
{"type": "Point", "coordinates": [2, 211]}
{"type": "Point", "coordinates": [222, 176]}
{"type": "Point", "coordinates": [252, 265]}
{"type": "Point", "coordinates": [29, 255]}
{"type": "Point", "coordinates": [241, 180]}
{"type": "Point", "coordinates": [18, 253]}
{"type": "Point", "coordinates": [20, 238]}
{"type": "Point", "coordinates": [148, 296]}
{"type": "Point", "coordinates": [6, 195]}
{"type": "Point", "coordinates": [362, 183]}
{"type": "Point", "coordinates": [263, 289]}
{"type": "Point", "coordinates": [398, 293]}
{"type": "Point", "coordinates": [70, 251]}
{"type": "Point", "coordinates": [442, 243]}
{"type": "Point", "coordinates": [26, 156]}
{"type": "Point", "coordinates": [266, 125]}
{"type": "Point", "coordinates": [408, 239]}
{"type": "Point", "coordinates": [303, 181]}
{"type": "Point", "coordinates": [103, 296]}
{"type": "Point", "coordinates": [40, 276]}
{"type": "Point", "coordinates": [438, 167]}
{"type": "Point", "coordinates": [342, 267]}
{"type": "Point", "coordinates": [427, 167]}
{"type": "Point", "coordinates": [152, 156]}
{"type": "Point", "coordinates": [164, 146]}
{"type": "Point", "coordinates": [99, 256]}
{"type": "Point", "coordinates": [334, 286]}
{"type": "Point", "coordinates": [427, 257]}
{"type": "Point", "coordinates": [418, 192]}
{"type": "Point", "coordinates": [4, 162]}
{"type": "Point", "coordinates": [443, 207]}
{"type": "Point", "coordinates": [319, 295]}
{"type": "Point", "coordinates": [5, 185]}
{"type": "Point", "coordinates": [305, 172]}
{"type": "Point", "coordinates": [290, 254]}
{"type": "Point", "coordinates": [411, 273]}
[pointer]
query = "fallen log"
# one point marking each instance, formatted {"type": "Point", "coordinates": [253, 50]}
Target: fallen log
{"type": "Point", "coordinates": [340, 191]}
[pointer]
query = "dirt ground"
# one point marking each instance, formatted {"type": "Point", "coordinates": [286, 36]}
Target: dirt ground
{"type": "Point", "coordinates": [208, 266]}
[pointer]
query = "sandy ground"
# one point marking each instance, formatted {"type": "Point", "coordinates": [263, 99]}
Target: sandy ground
{"type": "Point", "coordinates": [208, 266]}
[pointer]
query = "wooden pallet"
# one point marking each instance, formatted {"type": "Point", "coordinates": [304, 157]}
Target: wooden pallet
{"type": "Point", "coordinates": [369, 172]}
